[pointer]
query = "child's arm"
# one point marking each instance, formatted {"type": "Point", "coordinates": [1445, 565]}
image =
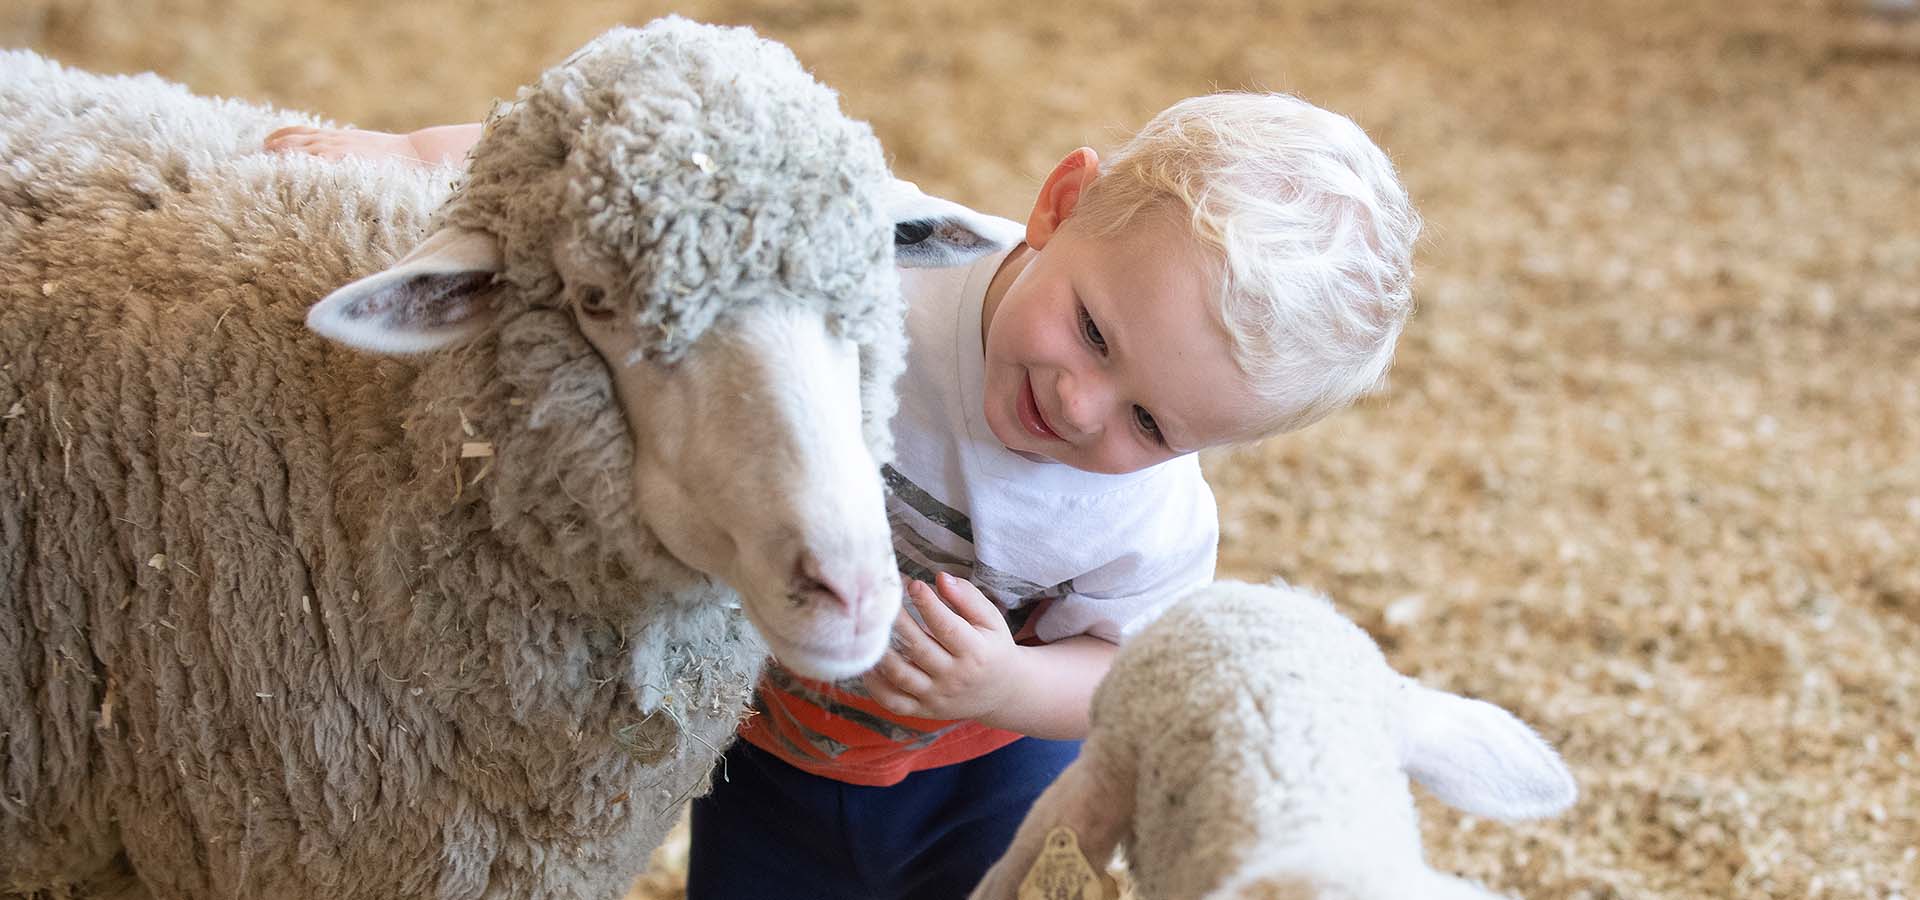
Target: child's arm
{"type": "Point", "coordinates": [436, 145]}
{"type": "Point", "coordinates": [964, 665]}
{"type": "Point", "coordinates": [445, 143]}
{"type": "Point", "coordinates": [1053, 688]}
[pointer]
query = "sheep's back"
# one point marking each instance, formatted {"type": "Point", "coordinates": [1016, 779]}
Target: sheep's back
{"type": "Point", "coordinates": [166, 429]}
{"type": "Point", "coordinates": [243, 618]}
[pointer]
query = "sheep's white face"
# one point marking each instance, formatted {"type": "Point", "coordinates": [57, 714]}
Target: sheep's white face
{"type": "Point", "coordinates": [749, 464]}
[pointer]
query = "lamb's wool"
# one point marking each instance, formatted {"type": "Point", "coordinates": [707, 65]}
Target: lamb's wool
{"type": "Point", "coordinates": [264, 631]}
{"type": "Point", "coordinates": [1253, 743]}
{"type": "Point", "coordinates": [1278, 726]}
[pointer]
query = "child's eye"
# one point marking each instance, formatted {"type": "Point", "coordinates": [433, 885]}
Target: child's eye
{"type": "Point", "coordinates": [1091, 331]}
{"type": "Point", "coordinates": [1145, 420]}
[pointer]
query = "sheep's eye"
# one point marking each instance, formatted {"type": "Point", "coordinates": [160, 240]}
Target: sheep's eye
{"type": "Point", "coordinates": [594, 303]}
{"type": "Point", "coordinates": [909, 233]}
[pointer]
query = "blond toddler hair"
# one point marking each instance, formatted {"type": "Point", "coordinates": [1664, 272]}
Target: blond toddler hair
{"type": "Point", "coordinates": [1313, 230]}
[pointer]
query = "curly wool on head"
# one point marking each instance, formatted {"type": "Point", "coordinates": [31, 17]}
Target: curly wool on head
{"type": "Point", "coordinates": [689, 165]}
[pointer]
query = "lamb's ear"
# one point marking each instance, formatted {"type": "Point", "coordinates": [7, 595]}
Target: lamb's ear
{"type": "Point", "coordinates": [930, 233]}
{"type": "Point", "coordinates": [434, 297]}
{"type": "Point", "coordinates": [1477, 757]}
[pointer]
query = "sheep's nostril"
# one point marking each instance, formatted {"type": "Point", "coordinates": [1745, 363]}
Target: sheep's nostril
{"type": "Point", "coordinates": [810, 582]}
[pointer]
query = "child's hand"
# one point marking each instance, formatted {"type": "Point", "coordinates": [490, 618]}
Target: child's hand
{"type": "Point", "coordinates": [339, 143]}
{"type": "Point", "coordinates": [960, 666]}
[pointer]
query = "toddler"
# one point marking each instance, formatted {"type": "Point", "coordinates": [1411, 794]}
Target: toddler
{"type": "Point", "coordinates": [1239, 269]}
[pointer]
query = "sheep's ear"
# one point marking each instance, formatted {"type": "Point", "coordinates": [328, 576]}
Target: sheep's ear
{"type": "Point", "coordinates": [1477, 757]}
{"type": "Point", "coordinates": [435, 297]}
{"type": "Point", "coordinates": [931, 233]}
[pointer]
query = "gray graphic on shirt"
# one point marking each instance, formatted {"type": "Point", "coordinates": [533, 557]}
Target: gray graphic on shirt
{"type": "Point", "coordinates": [1009, 589]}
{"type": "Point", "coordinates": [923, 503]}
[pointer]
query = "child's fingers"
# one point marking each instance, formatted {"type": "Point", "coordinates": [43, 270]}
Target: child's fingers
{"type": "Point", "coordinates": [953, 632]}
{"type": "Point", "coordinates": [911, 641]}
{"type": "Point", "coordinates": [280, 134]}
{"type": "Point", "coordinates": [310, 144]}
{"type": "Point", "coordinates": [338, 143]}
{"type": "Point", "coordinates": [886, 694]}
{"type": "Point", "coordinates": [903, 674]}
{"type": "Point", "coordinates": [967, 600]}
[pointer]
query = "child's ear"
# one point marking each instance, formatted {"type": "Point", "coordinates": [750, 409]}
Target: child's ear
{"type": "Point", "coordinates": [1060, 195]}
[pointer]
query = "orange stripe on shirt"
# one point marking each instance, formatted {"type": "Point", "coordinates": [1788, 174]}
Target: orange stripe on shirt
{"type": "Point", "coordinates": [853, 739]}
{"type": "Point", "coordinates": [790, 726]}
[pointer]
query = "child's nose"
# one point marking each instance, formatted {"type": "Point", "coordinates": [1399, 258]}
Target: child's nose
{"type": "Point", "coordinates": [1083, 403]}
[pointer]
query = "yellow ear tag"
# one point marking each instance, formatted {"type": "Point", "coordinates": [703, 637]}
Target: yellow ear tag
{"type": "Point", "coordinates": [1062, 871]}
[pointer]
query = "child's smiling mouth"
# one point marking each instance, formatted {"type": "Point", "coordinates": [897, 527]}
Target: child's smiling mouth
{"type": "Point", "coordinates": [1030, 415]}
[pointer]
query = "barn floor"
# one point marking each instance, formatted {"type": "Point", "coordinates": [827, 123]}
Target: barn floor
{"type": "Point", "coordinates": [1649, 470]}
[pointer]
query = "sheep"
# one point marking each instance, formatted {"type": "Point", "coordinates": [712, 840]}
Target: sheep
{"type": "Point", "coordinates": [1253, 744]}
{"type": "Point", "coordinates": [464, 598]}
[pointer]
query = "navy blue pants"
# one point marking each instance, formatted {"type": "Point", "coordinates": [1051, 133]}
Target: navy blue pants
{"type": "Point", "coordinates": [772, 832]}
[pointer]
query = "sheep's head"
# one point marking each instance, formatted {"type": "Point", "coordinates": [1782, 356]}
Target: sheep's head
{"type": "Point", "coordinates": [696, 235]}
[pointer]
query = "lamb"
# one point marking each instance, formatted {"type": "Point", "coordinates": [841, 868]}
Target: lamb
{"type": "Point", "coordinates": [1253, 744]}
{"type": "Point", "coordinates": [456, 617]}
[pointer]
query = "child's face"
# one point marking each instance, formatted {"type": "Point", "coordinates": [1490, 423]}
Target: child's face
{"type": "Point", "coordinates": [1103, 353]}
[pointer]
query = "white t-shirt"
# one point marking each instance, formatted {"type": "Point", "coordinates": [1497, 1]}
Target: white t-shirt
{"type": "Point", "coordinates": [1110, 552]}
